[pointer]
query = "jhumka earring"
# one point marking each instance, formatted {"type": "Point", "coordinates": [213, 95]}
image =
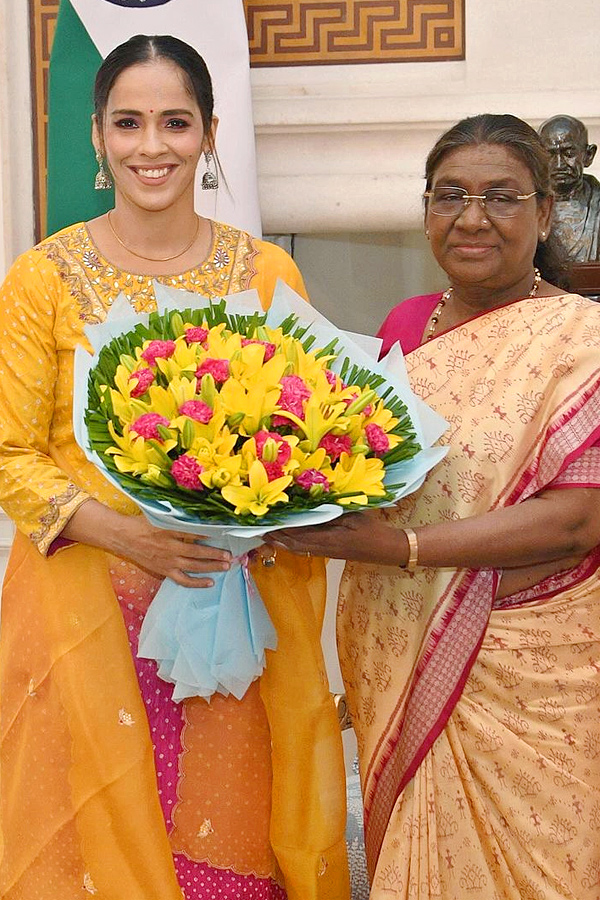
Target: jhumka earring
{"type": "Point", "coordinates": [210, 180]}
{"type": "Point", "coordinates": [103, 181]}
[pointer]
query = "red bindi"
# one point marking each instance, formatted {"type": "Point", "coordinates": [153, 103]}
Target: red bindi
{"type": "Point", "coordinates": [151, 110]}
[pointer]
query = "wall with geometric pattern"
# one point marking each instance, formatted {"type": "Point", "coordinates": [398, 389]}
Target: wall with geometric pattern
{"type": "Point", "coordinates": [342, 32]}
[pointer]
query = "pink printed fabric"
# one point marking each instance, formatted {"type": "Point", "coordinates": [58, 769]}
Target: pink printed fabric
{"type": "Point", "coordinates": [406, 323]}
{"type": "Point", "coordinates": [198, 880]}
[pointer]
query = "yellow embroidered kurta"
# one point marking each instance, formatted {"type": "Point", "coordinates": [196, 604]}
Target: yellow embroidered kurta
{"type": "Point", "coordinates": [478, 720]}
{"type": "Point", "coordinates": [80, 808]}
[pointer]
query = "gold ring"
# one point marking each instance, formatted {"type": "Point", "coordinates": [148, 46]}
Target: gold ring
{"type": "Point", "coordinates": [269, 561]}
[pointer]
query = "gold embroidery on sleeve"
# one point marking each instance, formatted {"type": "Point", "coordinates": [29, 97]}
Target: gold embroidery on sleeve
{"type": "Point", "coordinates": [57, 507]}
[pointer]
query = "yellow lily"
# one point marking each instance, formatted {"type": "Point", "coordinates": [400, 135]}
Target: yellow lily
{"type": "Point", "coordinates": [319, 420]}
{"type": "Point", "coordinates": [382, 417]}
{"type": "Point", "coordinates": [248, 409]}
{"type": "Point", "coordinates": [136, 455]}
{"type": "Point", "coordinates": [248, 368]}
{"type": "Point", "coordinates": [212, 454]}
{"type": "Point", "coordinates": [184, 359]}
{"type": "Point", "coordinates": [227, 472]}
{"type": "Point", "coordinates": [215, 432]}
{"type": "Point", "coordinates": [358, 475]}
{"type": "Point", "coordinates": [259, 495]}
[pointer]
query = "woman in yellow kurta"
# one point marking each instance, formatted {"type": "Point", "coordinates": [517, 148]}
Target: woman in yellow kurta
{"type": "Point", "coordinates": [107, 785]}
{"type": "Point", "coordinates": [469, 623]}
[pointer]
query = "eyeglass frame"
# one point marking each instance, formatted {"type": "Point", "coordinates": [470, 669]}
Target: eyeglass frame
{"type": "Point", "coordinates": [468, 197]}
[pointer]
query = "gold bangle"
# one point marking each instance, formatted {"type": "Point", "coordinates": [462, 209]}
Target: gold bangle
{"type": "Point", "coordinates": [413, 550]}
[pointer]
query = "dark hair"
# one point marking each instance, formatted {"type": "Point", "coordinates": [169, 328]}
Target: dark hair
{"type": "Point", "coordinates": [521, 139]}
{"type": "Point", "coordinates": [143, 48]}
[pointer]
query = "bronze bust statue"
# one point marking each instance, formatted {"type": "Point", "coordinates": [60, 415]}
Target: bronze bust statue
{"type": "Point", "coordinates": [577, 195]}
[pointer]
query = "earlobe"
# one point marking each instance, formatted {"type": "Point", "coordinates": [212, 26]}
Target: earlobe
{"type": "Point", "coordinates": [97, 141]}
{"type": "Point", "coordinates": [590, 153]}
{"type": "Point", "coordinates": [211, 136]}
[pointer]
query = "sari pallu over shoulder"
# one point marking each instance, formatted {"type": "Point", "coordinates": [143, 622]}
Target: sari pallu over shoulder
{"type": "Point", "coordinates": [520, 387]}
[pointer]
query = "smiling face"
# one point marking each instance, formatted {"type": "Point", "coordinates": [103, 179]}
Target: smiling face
{"type": "Point", "coordinates": [152, 135]}
{"type": "Point", "coordinates": [479, 253]}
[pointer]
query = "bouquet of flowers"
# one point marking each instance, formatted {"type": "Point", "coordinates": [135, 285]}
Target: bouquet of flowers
{"type": "Point", "coordinates": [226, 421]}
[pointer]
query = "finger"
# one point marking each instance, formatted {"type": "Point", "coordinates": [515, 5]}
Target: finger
{"type": "Point", "coordinates": [190, 581]}
{"type": "Point", "coordinates": [195, 550]}
{"type": "Point", "coordinates": [202, 566]}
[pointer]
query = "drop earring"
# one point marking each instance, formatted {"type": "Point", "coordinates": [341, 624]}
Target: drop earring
{"type": "Point", "coordinates": [103, 181]}
{"type": "Point", "coordinates": [210, 180]}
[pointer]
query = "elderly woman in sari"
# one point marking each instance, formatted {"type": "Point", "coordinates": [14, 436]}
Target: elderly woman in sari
{"type": "Point", "coordinates": [469, 614]}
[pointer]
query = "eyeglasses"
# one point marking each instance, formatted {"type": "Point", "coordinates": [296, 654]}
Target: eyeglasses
{"type": "Point", "coordinates": [497, 203]}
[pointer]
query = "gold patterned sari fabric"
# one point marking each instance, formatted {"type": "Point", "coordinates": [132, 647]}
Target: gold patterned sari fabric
{"type": "Point", "coordinates": [477, 721]}
{"type": "Point", "coordinates": [80, 806]}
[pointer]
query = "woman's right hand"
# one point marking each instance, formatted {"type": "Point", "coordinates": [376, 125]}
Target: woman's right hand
{"type": "Point", "coordinates": [170, 554]}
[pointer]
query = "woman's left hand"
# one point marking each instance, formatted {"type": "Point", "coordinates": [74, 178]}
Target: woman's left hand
{"type": "Point", "coordinates": [361, 537]}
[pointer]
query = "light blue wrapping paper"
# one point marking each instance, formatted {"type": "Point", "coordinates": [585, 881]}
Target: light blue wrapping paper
{"type": "Point", "coordinates": [208, 640]}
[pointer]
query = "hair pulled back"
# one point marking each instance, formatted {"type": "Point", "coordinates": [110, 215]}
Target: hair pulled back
{"type": "Point", "coordinates": [143, 48]}
{"type": "Point", "coordinates": [525, 143]}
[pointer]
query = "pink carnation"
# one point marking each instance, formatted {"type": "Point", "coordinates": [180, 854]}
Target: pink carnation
{"type": "Point", "coordinates": [218, 368]}
{"type": "Point", "coordinates": [196, 334]}
{"type": "Point", "coordinates": [273, 470]}
{"type": "Point", "coordinates": [269, 347]}
{"type": "Point", "coordinates": [293, 394]}
{"type": "Point", "coordinates": [284, 451]}
{"type": "Point", "coordinates": [158, 350]}
{"type": "Point", "coordinates": [197, 410]}
{"type": "Point", "coordinates": [377, 439]}
{"type": "Point", "coordinates": [331, 377]}
{"type": "Point", "coordinates": [336, 444]}
{"type": "Point", "coordinates": [147, 426]}
{"type": "Point", "coordinates": [311, 477]}
{"type": "Point", "coordinates": [186, 471]}
{"type": "Point", "coordinates": [144, 377]}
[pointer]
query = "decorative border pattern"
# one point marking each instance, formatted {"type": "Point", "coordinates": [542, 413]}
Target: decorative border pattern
{"type": "Point", "coordinates": [342, 32]}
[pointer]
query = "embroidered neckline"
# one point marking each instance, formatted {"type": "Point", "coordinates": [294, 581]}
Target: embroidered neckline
{"type": "Point", "coordinates": [216, 228]}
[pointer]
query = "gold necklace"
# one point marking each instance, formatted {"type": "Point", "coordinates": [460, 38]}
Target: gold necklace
{"type": "Point", "coordinates": [154, 258]}
{"type": "Point", "coordinates": [435, 316]}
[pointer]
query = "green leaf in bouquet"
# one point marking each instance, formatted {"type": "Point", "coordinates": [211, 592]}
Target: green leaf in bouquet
{"type": "Point", "coordinates": [329, 350]}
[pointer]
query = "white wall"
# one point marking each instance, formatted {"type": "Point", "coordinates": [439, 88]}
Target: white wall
{"type": "Point", "coordinates": [355, 279]}
{"type": "Point", "coordinates": [342, 148]}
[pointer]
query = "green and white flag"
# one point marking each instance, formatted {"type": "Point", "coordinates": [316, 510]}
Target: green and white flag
{"type": "Point", "coordinates": [86, 31]}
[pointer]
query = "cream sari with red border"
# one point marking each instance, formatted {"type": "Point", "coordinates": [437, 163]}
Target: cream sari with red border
{"type": "Point", "coordinates": [478, 725]}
